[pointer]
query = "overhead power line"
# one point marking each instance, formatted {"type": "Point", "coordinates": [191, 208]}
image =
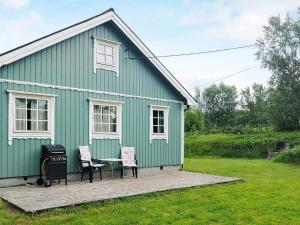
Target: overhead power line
{"type": "Point", "coordinates": [195, 53]}
{"type": "Point", "coordinates": [229, 75]}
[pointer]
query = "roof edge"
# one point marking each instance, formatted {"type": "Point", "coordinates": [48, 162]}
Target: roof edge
{"type": "Point", "coordinates": [70, 31]}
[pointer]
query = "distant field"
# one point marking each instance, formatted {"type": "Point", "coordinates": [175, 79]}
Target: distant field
{"type": "Point", "coordinates": [248, 146]}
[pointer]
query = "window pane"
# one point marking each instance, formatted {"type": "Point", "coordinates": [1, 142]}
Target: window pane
{"type": "Point", "coordinates": [43, 125]}
{"type": "Point", "coordinates": [155, 113]}
{"type": "Point", "coordinates": [104, 127]}
{"type": "Point", "coordinates": [20, 103]}
{"type": "Point", "coordinates": [105, 109]}
{"type": "Point", "coordinates": [105, 118]}
{"type": "Point", "coordinates": [32, 114]}
{"type": "Point", "coordinates": [100, 49]}
{"type": "Point", "coordinates": [161, 129]}
{"type": "Point", "coordinates": [161, 113]}
{"type": "Point", "coordinates": [113, 118]}
{"type": "Point", "coordinates": [161, 121]}
{"type": "Point", "coordinates": [43, 115]}
{"type": "Point", "coordinates": [20, 124]}
{"type": "Point", "coordinates": [113, 127]}
{"type": "Point", "coordinates": [155, 121]}
{"type": "Point", "coordinates": [155, 129]}
{"type": "Point", "coordinates": [101, 58]}
{"type": "Point", "coordinates": [31, 103]}
{"type": "Point", "coordinates": [97, 127]}
{"type": "Point", "coordinates": [109, 60]}
{"type": "Point", "coordinates": [97, 108]}
{"type": "Point", "coordinates": [43, 104]}
{"type": "Point", "coordinates": [20, 113]}
{"type": "Point", "coordinates": [113, 109]}
{"type": "Point", "coordinates": [31, 125]}
{"type": "Point", "coordinates": [108, 50]}
{"type": "Point", "coordinates": [97, 118]}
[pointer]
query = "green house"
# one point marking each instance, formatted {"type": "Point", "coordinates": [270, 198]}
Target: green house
{"type": "Point", "coordinates": [93, 83]}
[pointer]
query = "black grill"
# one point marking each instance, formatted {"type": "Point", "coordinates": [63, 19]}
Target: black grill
{"type": "Point", "coordinates": [53, 164]}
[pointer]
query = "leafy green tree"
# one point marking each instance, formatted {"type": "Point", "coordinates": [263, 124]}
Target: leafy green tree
{"type": "Point", "coordinates": [194, 120]}
{"type": "Point", "coordinates": [219, 105]}
{"type": "Point", "coordinates": [254, 102]}
{"type": "Point", "coordinates": [279, 51]}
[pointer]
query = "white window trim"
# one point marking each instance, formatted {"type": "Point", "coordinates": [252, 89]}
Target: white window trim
{"type": "Point", "coordinates": [12, 134]}
{"type": "Point", "coordinates": [116, 52]}
{"type": "Point", "coordinates": [164, 136]}
{"type": "Point", "coordinates": [118, 134]}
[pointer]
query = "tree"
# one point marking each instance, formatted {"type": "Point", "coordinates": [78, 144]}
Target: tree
{"type": "Point", "coordinates": [194, 121]}
{"type": "Point", "coordinates": [254, 102]}
{"type": "Point", "coordinates": [219, 105]}
{"type": "Point", "coordinates": [279, 51]}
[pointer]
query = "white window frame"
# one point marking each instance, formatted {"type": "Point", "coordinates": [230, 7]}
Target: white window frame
{"type": "Point", "coordinates": [165, 135]}
{"type": "Point", "coordinates": [105, 135]}
{"type": "Point", "coordinates": [116, 48]}
{"type": "Point", "coordinates": [13, 134]}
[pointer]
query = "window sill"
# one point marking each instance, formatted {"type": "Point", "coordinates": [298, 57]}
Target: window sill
{"type": "Point", "coordinates": [104, 136]}
{"type": "Point", "coordinates": [22, 135]}
{"type": "Point", "coordinates": [158, 137]}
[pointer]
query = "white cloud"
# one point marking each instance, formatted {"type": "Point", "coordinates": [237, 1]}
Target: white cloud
{"type": "Point", "coordinates": [13, 4]}
{"type": "Point", "coordinates": [236, 20]}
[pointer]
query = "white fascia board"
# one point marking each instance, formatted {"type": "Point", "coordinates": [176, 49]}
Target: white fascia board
{"type": "Point", "coordinates": [84, 26]}
{"type": "Point", "coordinates": [53, 39]}
{"type": "Point", "coordinates": [141, 46]}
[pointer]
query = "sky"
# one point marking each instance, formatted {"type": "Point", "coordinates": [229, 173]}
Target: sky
{"type": "Point", "coordinates": [166, 27]}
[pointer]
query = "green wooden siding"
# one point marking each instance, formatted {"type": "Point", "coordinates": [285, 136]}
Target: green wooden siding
{"type": "Point", "coordinates": [70, 64]}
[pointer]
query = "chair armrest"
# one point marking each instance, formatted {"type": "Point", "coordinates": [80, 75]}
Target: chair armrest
{"type": "Point", "coordinates": [96, 160]}
{"type": "Point", "coordinates": [85, 161]}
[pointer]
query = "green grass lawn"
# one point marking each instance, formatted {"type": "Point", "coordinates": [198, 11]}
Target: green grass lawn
{"type": "Point", "coordinates": [269, 194]}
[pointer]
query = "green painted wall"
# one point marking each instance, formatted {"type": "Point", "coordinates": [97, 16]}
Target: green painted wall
{"type": "Point", "coordinates": [70, 64]}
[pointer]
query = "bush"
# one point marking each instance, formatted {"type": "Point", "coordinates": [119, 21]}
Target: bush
{"type": "Point", "coordinates": [238, 146]}
{"type": "Point", "coordinates": [194, 121]}
{"type": "Point", "coordinates": [289, 156]}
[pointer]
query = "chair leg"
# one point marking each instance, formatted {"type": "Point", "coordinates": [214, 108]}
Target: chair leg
{"type": "Point", "coordinates": [100, 171]}
{"type": "Point", "coordinates": [82, 174]}
{"type": "Point", "coordinates": [122, 172]}
{"type": "Point", "coordinates": [91, 174]}
{"type": "Point", "coordinates": [136, 172]}
{"type": "Point", "coordinates": [132, 171]}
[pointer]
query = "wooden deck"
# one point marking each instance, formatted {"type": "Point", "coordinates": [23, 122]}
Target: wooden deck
{"type": "Point", "coordinates": [33, 198]}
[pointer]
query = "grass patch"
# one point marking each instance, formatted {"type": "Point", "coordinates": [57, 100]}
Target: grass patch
{"type": "Point", "coordinates": [290, 156]}
{"type": "Point", "coordinates": [234, 146]}
{"type": "Point", "coordinates": [269, 195]}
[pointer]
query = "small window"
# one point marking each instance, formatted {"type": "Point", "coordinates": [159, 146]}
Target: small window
{"type": "Point", "coordinates": [106, 55]}
{"type": "Point", "coordinates": [105, 119]}
{"type": "Point", "coordinates": [159, 122]}
{"type": "Point", "coordinates": [31, 115]}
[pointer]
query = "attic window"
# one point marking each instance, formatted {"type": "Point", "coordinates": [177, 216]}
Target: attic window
{"type": "Point", "coordinates": [106, 55]}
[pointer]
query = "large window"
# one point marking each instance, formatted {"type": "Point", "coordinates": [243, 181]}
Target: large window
{"type": "Point", "coordinates": [105, 119]}
{"type": "Point", "coordinates": [106, 55]}
{"type": "Point", "coordinates": [159, 117]}
{"type": "Point", "coordinates": [31, 115]}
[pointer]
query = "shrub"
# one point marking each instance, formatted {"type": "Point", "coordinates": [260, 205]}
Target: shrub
{"type": "Point", "coordinates": [289, 156]}
{"type": "Point", "coordinates": [245, 146]}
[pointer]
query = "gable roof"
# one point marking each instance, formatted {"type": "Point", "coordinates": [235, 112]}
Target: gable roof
{"type": "Point", "coordinates": [108, 15]}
